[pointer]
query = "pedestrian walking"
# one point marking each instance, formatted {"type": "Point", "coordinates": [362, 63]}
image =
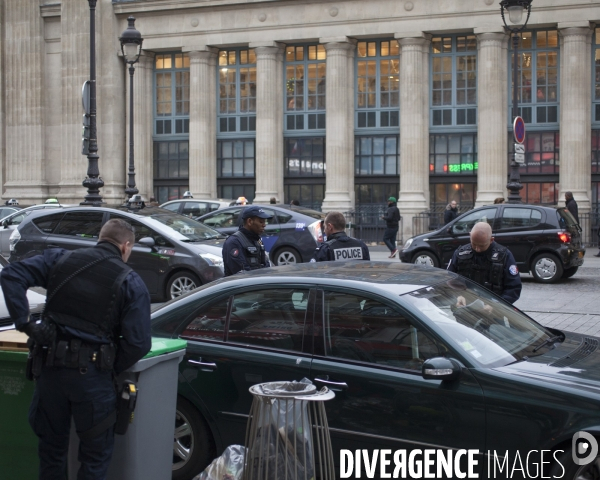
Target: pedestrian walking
{"type": "Point", "coordinates": [392, 219]}
{"type": "Point", "coordinates": [339, 246]}
{"type": "Point", "coordinates": [244, 249]}
{"type": "Point", "coordinates": [571, 205]}
{"type": "Point", "coordinates": [487, 263]}
{"type": "Point", "coordinates": [96, 324]}
{"type": "Point", "coordinates": [451, 212]}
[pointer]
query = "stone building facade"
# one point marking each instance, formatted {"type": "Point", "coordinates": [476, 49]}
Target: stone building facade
{"type": "Point", "coordinates": [335, 103]}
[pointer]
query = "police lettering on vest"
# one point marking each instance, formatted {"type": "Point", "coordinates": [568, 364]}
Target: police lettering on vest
{"type": "Point", "coordinates": [352, 253]}
{"type": "Point", "coordinates": [341, 247]}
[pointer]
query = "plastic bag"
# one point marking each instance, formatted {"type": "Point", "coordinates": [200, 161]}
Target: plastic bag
{"type": "Point", "coordinates": [229, 466]}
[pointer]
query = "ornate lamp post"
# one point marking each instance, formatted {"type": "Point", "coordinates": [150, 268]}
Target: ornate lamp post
{"type": "Point", "coordinates": [131, 46]}
{"type": "Point", "coordinates": [93, 182]}
{"type": "Point", "coordinates": [515, 9]}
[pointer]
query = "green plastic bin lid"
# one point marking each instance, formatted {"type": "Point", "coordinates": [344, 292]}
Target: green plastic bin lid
{"type": "Point", "coordinates": [160, 346]}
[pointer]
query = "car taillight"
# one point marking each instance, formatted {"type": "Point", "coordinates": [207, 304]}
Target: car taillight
{"type": "Point", "coordinates": [565, 237]}
{"type": "Point", "coordinates": [316, 232]}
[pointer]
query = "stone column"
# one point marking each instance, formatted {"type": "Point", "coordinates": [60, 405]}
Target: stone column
{"type": "Point", "coordinates": [203, 118]}
{"type": "Point", "coordinates": [492, 147]}
{"type": "Point", "coordinates": [414, 128]}
{"type": "Point", "coordinates": [575, 113]}
{"type": "Point", "coordinates": [143, 116]}
{"type": "Point", "coordinates": [24, 134]}
{"type": "Point", "coordinates": [339, 149]}
{"type": "Point", "coordinates": [269, 127]}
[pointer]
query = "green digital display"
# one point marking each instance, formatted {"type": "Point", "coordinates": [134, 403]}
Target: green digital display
{"type": "Point", "coordinates": [462, 167]}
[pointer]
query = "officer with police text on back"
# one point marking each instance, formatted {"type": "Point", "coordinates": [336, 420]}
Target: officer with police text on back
{"type": "Point", "coordinates": [487, 263]}
{"type": "Point", "coordinates": [339, 246]}
{"type": "Point", "coordinates": [96, 324]}
{"type": "Point", "coordinates": [244, 249]}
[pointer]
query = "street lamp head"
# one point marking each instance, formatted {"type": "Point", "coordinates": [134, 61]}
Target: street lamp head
{"type": "Point", "coordinates": [515, 9]}
{"type": "Point", "coordinates": [131, 42]}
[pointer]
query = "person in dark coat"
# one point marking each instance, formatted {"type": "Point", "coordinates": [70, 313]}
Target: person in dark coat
{"type": "Point", "coordinates": [339, 246]}
{"type": "Point", "coordinates": [451, 212]}
{"type": "Point", "coordinates": [244, 249]}
{"type": "Point", "coordinates": [392, 219]}
{"type": "Point", "coordinates": [487, 263]}
{"type": "Point", "coordinates": [571, 205]}
{"type": "Point", "coordinates": [96, 324]}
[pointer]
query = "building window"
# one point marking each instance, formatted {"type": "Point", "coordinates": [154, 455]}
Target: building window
{"type": "Point", "coordinates": [378, 84]}
{"type": "Point", "coordinates": [376, 155]}
{"type": "Point", "coordinates": [596, 73]}
{"type": "Point", "coordinates": [453, 81]}
{"type": "Point", "coordinates": [541, 153]}
{"type": "Point", "coordinates": [237, 91]}
{"type": "Point", "coordinates": [172, 98]}
{"type": "Point", "coordinates": [441, 194]}
{"type": "Point", "coordinates": [375, 192]}
{"type": "Point", "coordinates": [171, 170]}
{"type": "Point", "coordinates": [595, 151]}
{"type": "Point", "coordinates": [235, 158]}
{"type": "Point", "coordinates": [540, 193]}
{"type": "Point", "coordinates": [234, 191]}
{"type": "Point", "coordinates": [309, 195]}
{"type": "Point", "coordinates": [538, 83]}
{"type": "Point", "coordinates": [453, 154]}
{"type": "Point", "coordinates": [305, 70]}
{"type": "Point", "coordinates": [305, 157]}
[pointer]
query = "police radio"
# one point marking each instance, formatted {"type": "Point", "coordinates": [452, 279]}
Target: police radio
{"type": "Point", "coordinates": [125, 407]}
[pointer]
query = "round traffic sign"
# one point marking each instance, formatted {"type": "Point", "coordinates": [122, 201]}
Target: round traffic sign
{"type": "Point", "coordinates": [519, 130]}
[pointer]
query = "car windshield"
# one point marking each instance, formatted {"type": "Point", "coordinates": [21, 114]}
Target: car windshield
{"type": "Point", "coordinates": [485, 329]}
{"type": "Point", "coordinates": [181, 228]}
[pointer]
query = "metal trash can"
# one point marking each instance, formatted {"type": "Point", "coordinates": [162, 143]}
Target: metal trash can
{"type": "Point", "coordinates": [287, 436]}
{"type": "Point", "coordinates": [18, 443]}
{"type": "Point", "coordinates": [145, 452]}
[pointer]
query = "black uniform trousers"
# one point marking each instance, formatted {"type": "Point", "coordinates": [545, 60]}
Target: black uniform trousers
{"type": "Point", "coordinates": [89, 397]}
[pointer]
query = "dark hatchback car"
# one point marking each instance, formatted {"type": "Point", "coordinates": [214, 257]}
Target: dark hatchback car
{"type": "Point", "coordinates": [409, 369]}
{"type": "Point", "coordinates": [290, 237]}
{"type": "Point", "coordinates": [173, 254]}
{"type": "Point", "coordinates": [544, 241]}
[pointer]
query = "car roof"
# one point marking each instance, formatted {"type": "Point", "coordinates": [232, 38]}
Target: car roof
{"type": "Point", "coordinates": [280, 206]}
{"type": "Point", "coordinates": [141, 212]}
{"type": "Point", "coordinates": [228, 201]}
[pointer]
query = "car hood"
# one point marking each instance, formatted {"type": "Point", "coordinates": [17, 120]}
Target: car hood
{"type": "Point", "coordinates": [574, 363]}
{"type": "Point", "coordinates": [213, 246]}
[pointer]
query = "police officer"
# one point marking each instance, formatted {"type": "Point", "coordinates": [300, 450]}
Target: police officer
{"type": "Point", "coordinates": [488, 264]}
{"type": "Point", "coordinates": [244, 249]}
{"type": "Point", "coordinates": [96, 324]}
{"type": "Point", "coordinates": [339, 246]}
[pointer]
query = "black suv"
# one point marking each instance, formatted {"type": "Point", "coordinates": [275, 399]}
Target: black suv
{"type": "Point", "coordinates": [173, 254]}
{"type": "Point", "coordinates": [544, 241]}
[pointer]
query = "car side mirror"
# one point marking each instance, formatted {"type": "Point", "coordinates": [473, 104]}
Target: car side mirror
{"type": "Point", "coordinates": [5, 223]}
{"type": "Point", "coordinates": [147, 242]}
{"type": "Point", "coordinates": [441, 368]}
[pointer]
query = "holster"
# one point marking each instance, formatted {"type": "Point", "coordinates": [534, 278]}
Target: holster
{"type": "Point", "coordinates": [125, 407]}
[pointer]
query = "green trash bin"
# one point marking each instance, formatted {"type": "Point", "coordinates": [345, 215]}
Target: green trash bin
{"type": "Point", "coordinates": [18, 443]}
{"type": "Point", "coordinates": [146, 450]}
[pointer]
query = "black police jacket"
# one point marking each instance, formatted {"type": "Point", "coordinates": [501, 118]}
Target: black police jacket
{"type": "Point", "coordinates": [340, 246]}
{"type": "Point", "coordinates": [494, 269]}
{"type": "Point", "coordinates": [244, 250]}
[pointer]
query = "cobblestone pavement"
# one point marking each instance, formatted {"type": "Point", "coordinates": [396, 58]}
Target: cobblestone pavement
{"type": "Point", "coordinates": [572, 304]}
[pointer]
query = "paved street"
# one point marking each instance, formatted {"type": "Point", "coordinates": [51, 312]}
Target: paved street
{"type": "Point", "coordinates": [572, 304]}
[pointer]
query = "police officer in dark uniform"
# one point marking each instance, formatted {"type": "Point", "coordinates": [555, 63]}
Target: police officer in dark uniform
{"type": "Point", "coordinates": [339, 246]}
{"type": "Point", "coordinates": [96, 324]}
{"type": "Point", "coordinates": [487, 263]}
{"type": "Point", "coordinates": [244, 249]}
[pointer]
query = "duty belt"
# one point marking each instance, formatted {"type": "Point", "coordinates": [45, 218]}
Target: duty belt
{"type": "Point", "coordinates": [73, 353]}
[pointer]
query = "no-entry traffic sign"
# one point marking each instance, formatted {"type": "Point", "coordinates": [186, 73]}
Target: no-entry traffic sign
{"type": "Point", "coordinates": [519, 130]}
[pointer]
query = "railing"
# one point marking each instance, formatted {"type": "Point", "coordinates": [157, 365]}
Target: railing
{"type": "Point", "coordinates": [366, 223]}
{"type": "Point", "coordinates": [429, 221]}
{"type": "Point", "coordinates": [590, 224]}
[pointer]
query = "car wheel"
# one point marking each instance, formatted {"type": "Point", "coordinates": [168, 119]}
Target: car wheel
{"type": "Point", "coordinates": [425, 258]}
{"type": "Point", "coordinates": [193, 447]}
{"type": "Point", "coordinates": [286, 256]}
{"type": "Point", "coordinates": [180, 283]}
{"type": "Point", "coordinates": [546, 268]}
{"type": "Point", "coordinates": [567, 469]}
{"type": "Point", "coordinates": [569, 272]}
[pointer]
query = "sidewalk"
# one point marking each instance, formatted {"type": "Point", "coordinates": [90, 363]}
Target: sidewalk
{"type": "Point", "coordinates": [572, 304]}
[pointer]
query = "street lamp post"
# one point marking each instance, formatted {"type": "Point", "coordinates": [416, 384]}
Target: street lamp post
{"type": "Point", "coordinates": [131, 46]}
{"type": "Point", "coordinates": [93, 182]}
{"type": "Point", "coordinates": [515, 9]}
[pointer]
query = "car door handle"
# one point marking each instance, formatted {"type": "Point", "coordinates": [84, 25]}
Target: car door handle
{"type": "Point", "coordinates": [334, 385]}
{"type": "Point", "coordinates": [203, 365]}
